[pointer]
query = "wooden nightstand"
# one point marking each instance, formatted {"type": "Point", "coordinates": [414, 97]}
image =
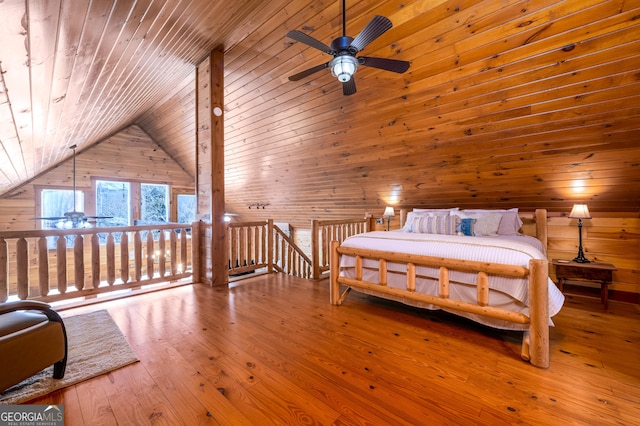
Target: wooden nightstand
{"type": "Point", "coordinates": [598, 272]}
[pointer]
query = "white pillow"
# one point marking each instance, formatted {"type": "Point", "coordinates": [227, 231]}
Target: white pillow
{"type": "Point", "coordinates": [510, 223]}
{"type": "Point", "coordinates": [485, 224]}
{"type": "Point", "coordinates": [436, 211]}
{"type": "Point", "coordinates": [433, 224]}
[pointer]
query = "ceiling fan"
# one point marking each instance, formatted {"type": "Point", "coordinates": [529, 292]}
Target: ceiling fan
{"type": "Point", "coordinates": [344, 49]}
{"type": "Point", "coordinates": [73, 219]}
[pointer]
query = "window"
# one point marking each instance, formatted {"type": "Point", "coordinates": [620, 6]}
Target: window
{"type": "Point", "coordinates": [57, 202]}
{"type": "Point", "coordinates": [154, 202]}
{"type": "Point", "coordinates": [113, 200]}
{"type": "Point", "coordinates": [186, 208]}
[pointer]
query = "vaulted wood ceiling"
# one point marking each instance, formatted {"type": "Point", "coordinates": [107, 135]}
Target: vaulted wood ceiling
{"type": "Point", "coordinates": [507, 103]}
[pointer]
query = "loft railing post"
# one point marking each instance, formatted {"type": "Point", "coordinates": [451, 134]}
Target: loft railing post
{"type": "Point", "coordinates": [271, 244]}
{"type": "Point", "coordinates": [196, 255]}
{"type": "Point", "coordinates": [315, 249]}
{"type": "Point", "coordinates": [4, 271]}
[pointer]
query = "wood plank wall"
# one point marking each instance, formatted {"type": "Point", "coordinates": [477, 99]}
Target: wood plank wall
{"type": "Point", "coordinates": [129, 155]}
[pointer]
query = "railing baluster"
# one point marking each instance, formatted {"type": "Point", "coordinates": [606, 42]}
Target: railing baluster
{"type": "Point", "coordinates": [162, 268]}
{"type": "Point", "coordinates": [183, 251]}
{"type": "Point", "coordinates": [95, 261]}
{"type": "Point", "coordinates": [22, 266]}
{"type": "Point", "coordinates": [78, 262]}
{"type": "Point", "coordinates": [61, 258]}
{"type": "Point", "coordinates": [4, 270]}
{"type": "Point", "coordinates": [43, 266]}
{"type": "Point", "coordinates": [150, 253]}
{"type": "Point", "coordinates": [111, 259]}
{"type": "Point", "coordinates": [124, 257]}
{"type": "Point", "coordinates": [172, 251]}
{"type": "Point", "coordinates": [137, 255]}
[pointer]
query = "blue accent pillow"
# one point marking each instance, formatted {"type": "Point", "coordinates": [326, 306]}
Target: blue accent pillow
{"type": "Point", "coordinates": [465, 227]}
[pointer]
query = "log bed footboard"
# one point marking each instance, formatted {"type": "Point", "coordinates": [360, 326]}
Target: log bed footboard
{"type": "Point", "coordinates": [535, 341]}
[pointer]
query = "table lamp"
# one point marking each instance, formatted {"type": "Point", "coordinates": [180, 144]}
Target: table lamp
{"type": "Point", "coordinates": [580, 211]}
{"type": "Point", "coordinates": [388, 212]}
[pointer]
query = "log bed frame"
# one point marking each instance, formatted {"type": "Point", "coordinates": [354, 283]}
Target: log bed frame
{"type": "Point", "coordinates": [535, 340]}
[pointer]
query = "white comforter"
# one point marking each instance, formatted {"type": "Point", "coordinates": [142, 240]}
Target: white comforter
{"type": "Point", "coordinates": [511, 293]}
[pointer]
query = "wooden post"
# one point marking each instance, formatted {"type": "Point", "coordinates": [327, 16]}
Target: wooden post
{"type": "Point", "coordinates": [539, 312]}
{"type": "Point", "coordinates": [444, 282]}
{"type": "Point", "coordinates": [483, 289]}
{"type": "Point", "coordinates": [218, 234]}
{"type": "Point", "coordinates": [210, 164]}
{"type": "Point", "coordinates": [270, 245]}
{"type": "Point", "coordinates": [4, 271]}
{"type": "Point", "coordinates": [541, 227]}
{"type": "Point", "coordinates": [315, 249]}
{"type": "Point", "coordinates": [334, 289]}
{"type": "Point", "coordinates": [196, 256]}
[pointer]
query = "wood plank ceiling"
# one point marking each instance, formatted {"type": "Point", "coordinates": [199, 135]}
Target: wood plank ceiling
{"type": "Point", "coordinates": [507, 102]}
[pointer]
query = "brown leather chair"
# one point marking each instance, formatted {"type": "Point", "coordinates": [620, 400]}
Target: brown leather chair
{"type": "Point", "coordinates": [32, 337]}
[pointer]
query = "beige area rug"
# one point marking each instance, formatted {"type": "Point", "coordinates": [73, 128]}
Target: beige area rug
{"type": "Point", "coordinates": [96, 346]}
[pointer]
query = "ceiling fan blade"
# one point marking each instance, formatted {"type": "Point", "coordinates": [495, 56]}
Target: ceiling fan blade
{"type": "Point", "coordinates": [308, 72]}
{"type": "Point", "coordinates": [374, 29]}
{"type": "Point", "coordinates": [349, 87]}
{"type": "Point", "coordinates": [393, 65]}
{"type": "Point", "coordinates": [310, 41]}
{"type": "Point", "coordinates": [48, 218]}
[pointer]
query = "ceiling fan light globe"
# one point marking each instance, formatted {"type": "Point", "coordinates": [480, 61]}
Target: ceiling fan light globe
{"type": "Point", "coordinates": [343, 67]}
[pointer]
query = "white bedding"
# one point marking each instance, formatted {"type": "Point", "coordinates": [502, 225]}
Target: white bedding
{"type": "Point", "coordinates": [508, 293]}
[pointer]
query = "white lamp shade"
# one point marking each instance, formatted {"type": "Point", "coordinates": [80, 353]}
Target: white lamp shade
{"type": "Point", "coordinates": [580, 211]}
{"type": "Point", "coordinates": [343, 67]}
{"type": "Point", "coordinates": [388, 212]}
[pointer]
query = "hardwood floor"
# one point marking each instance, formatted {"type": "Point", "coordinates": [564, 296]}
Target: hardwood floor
{"type": "Point", "coordinates": [272, 350]}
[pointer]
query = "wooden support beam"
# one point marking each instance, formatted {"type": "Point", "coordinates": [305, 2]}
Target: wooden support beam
{"type": "Point", "coordinates": [210, 160]}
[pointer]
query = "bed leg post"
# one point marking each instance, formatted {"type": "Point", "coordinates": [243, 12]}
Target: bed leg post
{"type": "Point", "coordinates": [334, 287]}
{"type": "Point", "coordinates": [524, 353]}
{"type": "Point", "coordinates": [539, 313]}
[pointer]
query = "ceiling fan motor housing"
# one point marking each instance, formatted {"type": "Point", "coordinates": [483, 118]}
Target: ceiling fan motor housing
{"type": "Point", "coordinates": [344, 64]}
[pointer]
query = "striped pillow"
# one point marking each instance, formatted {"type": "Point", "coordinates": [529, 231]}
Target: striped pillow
{"type": "Point", "coordinates": [434, 224]}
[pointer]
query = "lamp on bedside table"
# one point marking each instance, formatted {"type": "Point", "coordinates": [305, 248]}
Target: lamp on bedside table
{"type": "Point", "coordinates": [388, 212]}
{"type": "Point", "coordinates": [580, 211]}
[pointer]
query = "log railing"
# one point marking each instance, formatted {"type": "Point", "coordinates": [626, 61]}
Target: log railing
{"type": "Point", "coordinates": [325, 231]}
{"type": "Point", "coordinates": [288, 257]}
{"type": "Point", "coordinates": [53, 265]}
{"type": "Point", "coordinates": [259, 245]}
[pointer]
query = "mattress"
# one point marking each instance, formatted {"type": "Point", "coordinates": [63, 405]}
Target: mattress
{"type": "Point", "coordinates": [504, 292]}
